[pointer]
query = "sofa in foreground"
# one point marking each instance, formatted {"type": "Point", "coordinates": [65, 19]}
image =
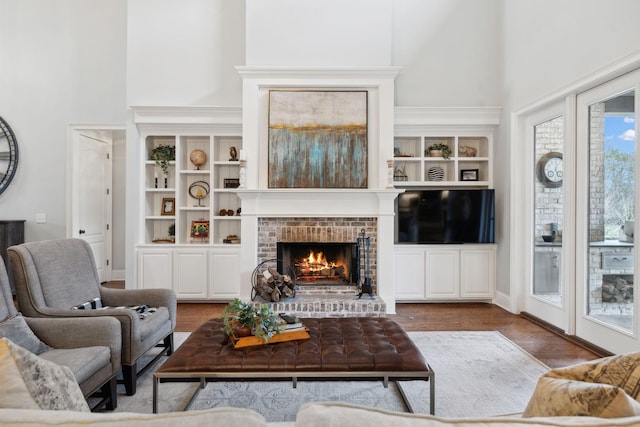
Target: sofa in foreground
{"type": "Point", "coordinates": [327, 414]}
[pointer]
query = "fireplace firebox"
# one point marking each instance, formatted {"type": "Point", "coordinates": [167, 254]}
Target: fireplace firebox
{"type": "Point", "coordinates": [319, 263]}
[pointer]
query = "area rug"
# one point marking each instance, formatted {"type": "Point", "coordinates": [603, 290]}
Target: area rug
{"type": "Point", "coordinates": [477, 374]}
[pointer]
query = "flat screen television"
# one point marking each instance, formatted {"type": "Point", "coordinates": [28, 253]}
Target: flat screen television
{"type": "Point", "coordinates": [445, 216]}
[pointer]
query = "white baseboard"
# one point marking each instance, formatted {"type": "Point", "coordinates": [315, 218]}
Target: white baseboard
{"type": "Point", "coordinates": [505, 301]}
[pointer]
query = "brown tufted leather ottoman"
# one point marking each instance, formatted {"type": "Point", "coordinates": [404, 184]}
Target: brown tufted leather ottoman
{"type": "Point", "coordinates": [349, 348]}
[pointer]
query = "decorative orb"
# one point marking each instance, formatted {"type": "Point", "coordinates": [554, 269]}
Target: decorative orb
{"type": "Point", "coordinates": [198, 158]}
{"type": "Point", "coordinates": [435, 173]}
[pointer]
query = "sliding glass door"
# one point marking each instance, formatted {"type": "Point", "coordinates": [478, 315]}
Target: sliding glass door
{"type": "Point", "coordinates": [607, 165]}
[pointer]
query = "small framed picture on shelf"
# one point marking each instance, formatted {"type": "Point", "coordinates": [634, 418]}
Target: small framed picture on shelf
{"type": "Point", "coordinates": [168, 206]}
{"type": "Point", "coordinates": [200, 229]}
{"type": "Point", "coordinates": [468, 174]}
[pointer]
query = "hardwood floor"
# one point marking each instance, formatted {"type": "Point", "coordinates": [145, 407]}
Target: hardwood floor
{"type": "Point", "coordinates": [544, 344]}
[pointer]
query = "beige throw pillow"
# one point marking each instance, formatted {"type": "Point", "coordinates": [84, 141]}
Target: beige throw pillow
{"type": "Point", "coordinates": [30, 382]}
{"type": "Point", "coordinates": [606, 388]}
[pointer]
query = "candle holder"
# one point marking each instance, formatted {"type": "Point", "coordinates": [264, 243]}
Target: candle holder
{"type": "Point", "coordinates": [389, 173]}
{"type": "Point", "coordinates": [243, 174]}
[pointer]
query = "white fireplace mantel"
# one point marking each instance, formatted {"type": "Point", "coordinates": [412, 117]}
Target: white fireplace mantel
{"type": "Point", "coordinates": [318, 202]}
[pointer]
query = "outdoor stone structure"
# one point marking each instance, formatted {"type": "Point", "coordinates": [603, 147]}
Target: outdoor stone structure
{"type": "Point", "coordinates": [549, 208]}
{"type": "Point", "coordinates": [549, 137]}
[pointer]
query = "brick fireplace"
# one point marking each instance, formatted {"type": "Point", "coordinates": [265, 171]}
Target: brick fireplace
{"type": "Point", "coordinates": [323, 234]}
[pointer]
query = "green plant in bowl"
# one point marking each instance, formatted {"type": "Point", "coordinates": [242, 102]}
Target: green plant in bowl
{"type": "Point", "coordinates": [443, 148]}
{"type": "Point", "coordinates": [163, 154]}
{"type": "Point", "coordinates": [259, 319]}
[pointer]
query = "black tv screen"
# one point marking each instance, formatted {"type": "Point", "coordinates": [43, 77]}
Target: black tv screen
{"type": "Point", "coordinates": [445, 216]}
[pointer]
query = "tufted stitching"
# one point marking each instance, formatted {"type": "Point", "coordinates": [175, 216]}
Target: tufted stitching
{"type": "Point", "coordinates": [336, 345]}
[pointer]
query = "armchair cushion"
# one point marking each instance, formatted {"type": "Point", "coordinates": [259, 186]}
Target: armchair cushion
{"type": "Point", "coordinates": [83, 361]}
{"type": "Point", "coordinates": [143, 310]}
{"type": "Point", "coordinates": [29, 382]}
{"type": "Point", "coordinates": [16, 329]}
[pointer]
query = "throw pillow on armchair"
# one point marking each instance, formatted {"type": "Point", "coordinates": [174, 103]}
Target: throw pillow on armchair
{"type": "Point", "coordinates": [30, 382]}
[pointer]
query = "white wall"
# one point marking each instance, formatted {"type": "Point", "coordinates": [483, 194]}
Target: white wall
{"type": "Point", "coordinates": [450, 51]}
{"type": "Point", "coordinates": [62, 62]}
{"type": "Point", "coordinates": [549, 45]}
{"type": "Point", "coordinates": [319, 33]}
{"type": "Point", "coordinates": [118, 197]}
{"type": "Point", "coordinates": [184, 52]}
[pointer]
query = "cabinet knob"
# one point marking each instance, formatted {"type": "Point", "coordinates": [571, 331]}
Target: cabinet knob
{"type": "Point", "coordinates": [81, 232]}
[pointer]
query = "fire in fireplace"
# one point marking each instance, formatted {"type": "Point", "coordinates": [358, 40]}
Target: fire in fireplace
{"type": "Point", "coordinates": [319, 263]}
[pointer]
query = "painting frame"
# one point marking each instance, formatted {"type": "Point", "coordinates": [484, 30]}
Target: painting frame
{"type": "Point", "coordinates": [168, 207]}
{"type": "Point", "coordinates": [199, 229]}
{"type": "Point", "coordinates": [469, 174]}
{"type": "Point", "coordinates": [318, 138]}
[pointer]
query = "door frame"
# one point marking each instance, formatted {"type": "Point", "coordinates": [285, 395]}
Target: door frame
{"type": "Point", "coordinates": [521, 190]}
{"type": "Point", "coordinates": [558, 316]}
{"type": "Point", "coordinates": [103, 133]}
{"type": "Point", "coordinates": [592, 330]}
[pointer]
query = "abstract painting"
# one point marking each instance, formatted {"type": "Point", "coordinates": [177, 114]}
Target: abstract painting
{"type": "Point", "coordinates": [317, 139]}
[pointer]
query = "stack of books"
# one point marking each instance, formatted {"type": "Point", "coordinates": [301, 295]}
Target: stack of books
{"type": "Point", "coordinates": [291, 322]}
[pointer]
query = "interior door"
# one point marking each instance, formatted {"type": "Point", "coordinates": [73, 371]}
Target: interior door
{"type": "Point", "coordinates": [92, 201]}
{"type": "Point", "coordinates": [606, 309]}
{"type": "Point", "coordinates": [546, 296]}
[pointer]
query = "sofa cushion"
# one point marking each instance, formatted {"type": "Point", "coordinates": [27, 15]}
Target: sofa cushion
{"type": "Point", "coordinates": [29, 382]}
{"type": "Point", "coordinates": [223, 417]}
{"type": "Point", "coordinates": [16, 329]}
{"type": "Point", "coordinates": [606, 388]}
{"type": "Point", "coordinates": [336, 414]}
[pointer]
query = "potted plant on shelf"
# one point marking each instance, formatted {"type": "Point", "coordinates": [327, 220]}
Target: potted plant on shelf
{"type": "Point", "coordinates": [243, 319]}
{"type": "Point", "coordinates": [162, 154]}
{"type": "Point", "coordinates": [172, 232]}
{"type": "Point", "coordinates": [438, 150]}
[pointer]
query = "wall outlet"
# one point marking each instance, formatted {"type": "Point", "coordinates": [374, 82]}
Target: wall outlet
{"type": "Point", "coordinates": [41, 218]}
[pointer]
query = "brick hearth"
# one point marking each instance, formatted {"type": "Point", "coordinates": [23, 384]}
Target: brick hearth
{"type": "Point", "coordinates": [332, 301]}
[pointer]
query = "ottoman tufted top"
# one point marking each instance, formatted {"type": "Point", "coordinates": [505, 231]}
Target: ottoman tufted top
{"type": "Point", "coordinates": [351, 344]}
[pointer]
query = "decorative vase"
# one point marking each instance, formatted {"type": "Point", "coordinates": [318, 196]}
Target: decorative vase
{"type": "Point", "coordinates": [435, 173]}
{"type": "Point", "coordinates": [242, 331]}
{"type": "Point", "coordinates": [435, 153]}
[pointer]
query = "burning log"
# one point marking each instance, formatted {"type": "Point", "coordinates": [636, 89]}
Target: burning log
{"type": "Point", "coordinates": [271, 285]}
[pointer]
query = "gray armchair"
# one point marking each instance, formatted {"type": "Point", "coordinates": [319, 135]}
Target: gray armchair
{"type": "Point", "coordinates": [53, 276]}
{"type": "Point", "coordinates": [94, 358]}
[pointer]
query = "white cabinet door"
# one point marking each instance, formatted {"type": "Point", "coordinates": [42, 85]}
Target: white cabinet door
{"type": "Point", "coordinates": [477, 273]}
{"type": "Point", "coordinates": [409, 273]}
{"type": "Point", "coordinates": [154, 268]}
{"type": "Point", "coordinates": [190, 273]}
{"type": "Point", "coordinates": [443, 276]}
{"type": "Point", "coordinates": [225, 273]}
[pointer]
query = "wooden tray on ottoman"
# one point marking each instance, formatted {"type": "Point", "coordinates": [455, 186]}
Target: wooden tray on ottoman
{"type": "Point", "coordinates": [241, 342]}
